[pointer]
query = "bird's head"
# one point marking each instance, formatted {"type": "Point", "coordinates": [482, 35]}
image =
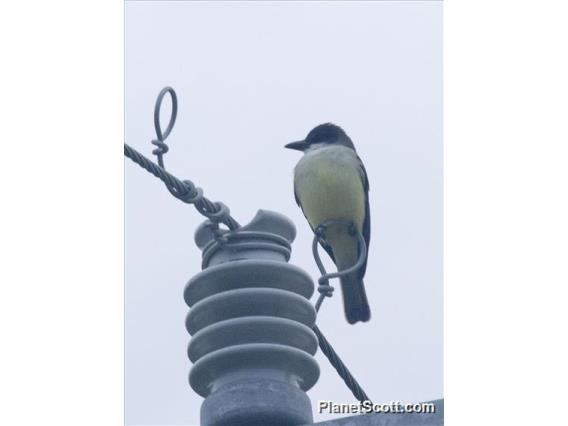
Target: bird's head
{"type": "Point", "coordinates": [321, 136]}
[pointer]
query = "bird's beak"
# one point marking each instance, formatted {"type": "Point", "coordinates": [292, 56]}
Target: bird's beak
{"type": "Point", "coordinates": [298, 146]}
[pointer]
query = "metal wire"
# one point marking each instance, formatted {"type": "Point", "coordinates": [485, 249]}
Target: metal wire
{"type": "Point", "coordinates": [340, 367]}
{"type": "Point", "coordinates": [326, 290]}
{"type": "Point", "coordinates": [185, 191]}
{"type": "Point", "coordinates": [218, 212]}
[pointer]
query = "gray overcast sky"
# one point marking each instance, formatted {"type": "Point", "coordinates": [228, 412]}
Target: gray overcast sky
{"type": "Point", "coordinates": [251, 77]}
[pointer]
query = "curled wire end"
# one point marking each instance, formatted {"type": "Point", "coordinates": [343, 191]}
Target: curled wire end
{"type": "Point", "coordinates": [162, 148]}
{"type": "Point", "coordinates": [324, 288]}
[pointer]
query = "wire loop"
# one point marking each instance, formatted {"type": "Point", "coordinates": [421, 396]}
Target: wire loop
{"type": "Point", "coordinates": [324, 288]}
{"type": "Point", "coordinates": [162, 136]}
{"type": "Point", "coordinates": [162, 148]}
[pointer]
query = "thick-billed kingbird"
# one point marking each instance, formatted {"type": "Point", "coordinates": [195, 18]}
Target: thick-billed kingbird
{"type": "Point", "coordinates": [330, 184]}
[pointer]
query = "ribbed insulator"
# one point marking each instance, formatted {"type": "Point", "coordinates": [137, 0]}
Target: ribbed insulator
{"type": "Point", "coordinates": [251, 324]}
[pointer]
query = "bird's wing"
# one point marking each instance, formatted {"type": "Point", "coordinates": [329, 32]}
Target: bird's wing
{"type": "Point", "coordinates": [367, 221]}
{"type": "Point", "coordinates": [322, 242]}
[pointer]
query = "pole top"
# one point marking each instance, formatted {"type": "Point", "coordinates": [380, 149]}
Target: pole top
{"type": "Point", "coordinates": [268, 236]}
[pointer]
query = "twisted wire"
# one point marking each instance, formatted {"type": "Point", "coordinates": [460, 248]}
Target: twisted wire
{"type": "Point", "coordinates": [340, 367]}
{"type": "Point", "coordinates": [185, 191]}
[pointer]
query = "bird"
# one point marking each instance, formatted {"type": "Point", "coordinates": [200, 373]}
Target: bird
{"type": "Point", "coordinates": [331, 184]}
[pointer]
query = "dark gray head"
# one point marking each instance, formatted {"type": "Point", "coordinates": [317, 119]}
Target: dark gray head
{"type": "Point", "coordinates": [327, 133]}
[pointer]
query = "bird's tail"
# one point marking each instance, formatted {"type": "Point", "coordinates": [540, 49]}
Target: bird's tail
{"type": "Point", "coordinates": [355, 299]}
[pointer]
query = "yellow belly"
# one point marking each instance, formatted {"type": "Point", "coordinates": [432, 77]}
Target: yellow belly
{"type": "Point", "coordinates": [329, 186]}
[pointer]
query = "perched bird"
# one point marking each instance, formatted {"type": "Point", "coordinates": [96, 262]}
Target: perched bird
{"type": "Point", "coordinates": [330, 183]}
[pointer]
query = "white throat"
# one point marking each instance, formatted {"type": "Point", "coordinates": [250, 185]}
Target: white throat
{"type": "Point", "coordinates": [317, 146]}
